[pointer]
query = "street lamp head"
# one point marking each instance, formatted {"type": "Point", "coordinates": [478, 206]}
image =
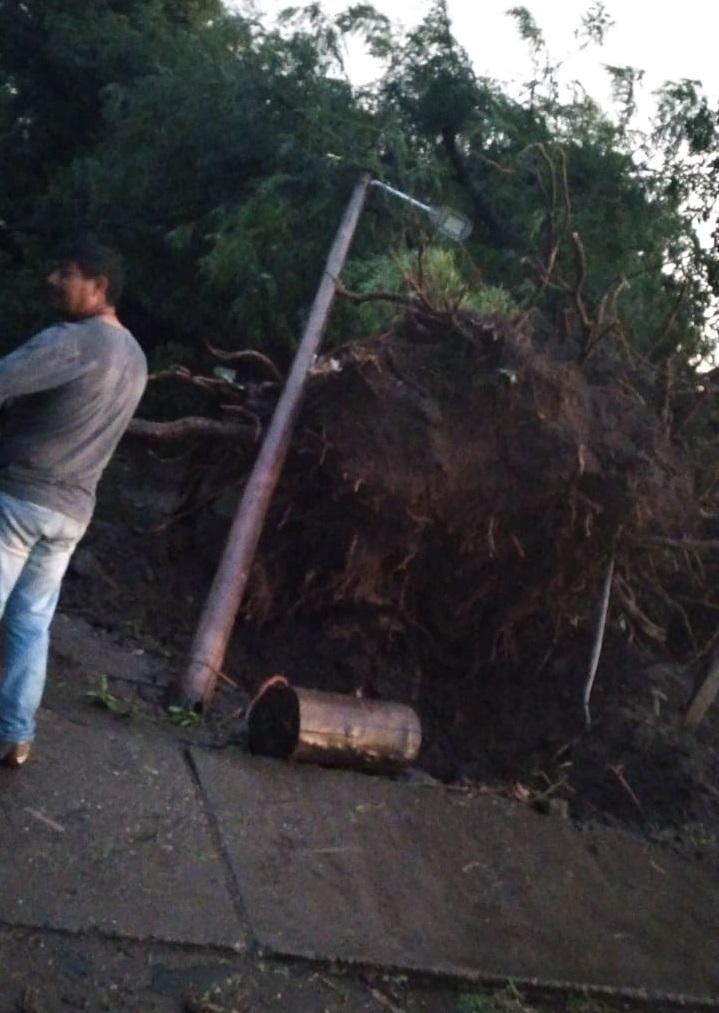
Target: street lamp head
{"type": "Point", "coordinates": [452, 224]}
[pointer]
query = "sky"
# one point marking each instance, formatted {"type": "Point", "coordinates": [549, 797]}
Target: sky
{"type": "Point", "coordinates": [668, 39]}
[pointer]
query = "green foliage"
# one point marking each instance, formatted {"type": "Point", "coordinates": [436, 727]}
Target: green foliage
{"type": "Point", "coordinates": [219, 153]}
{"type": "Point", "coordinates": [212, 173]}
{"type": "Point", "coordinates": [624, 81]}
{"type": "Point", "coordinates": [595, 24]}
{"type": "Point", "coordinates": [183, 717]}
{"type": "Point", "coordinates": [587, 1004]}
{"type": "Point", "coordinates": [105, 700]}
{"type": "Point", "coordinates": [508, 1000]}
{"type": "Point", "coordinates": [527, 27]}
{"type": "Point", "coordinates": [535, 174]}
{"type": "Point", "coordinates": [439, 274]}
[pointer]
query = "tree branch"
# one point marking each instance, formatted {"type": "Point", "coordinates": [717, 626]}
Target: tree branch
{"type": "Point", "coordinates": [192, 425]}
{"type": "Point", "coordinates": [246, 354]}
{"type": "Point", "coordinates": [360, 297]}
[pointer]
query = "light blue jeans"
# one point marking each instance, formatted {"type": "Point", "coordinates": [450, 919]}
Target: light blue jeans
{"type": "Point", "coordinates": [35, 547]}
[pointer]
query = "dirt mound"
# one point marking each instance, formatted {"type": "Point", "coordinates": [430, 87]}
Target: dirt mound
{"type": "Point", "coordinates": [441, 535]}
{"type": "Point", "coordinates": [453, 478]}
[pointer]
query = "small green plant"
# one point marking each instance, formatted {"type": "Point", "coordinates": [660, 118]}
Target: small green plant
{"type": "Point", "coordinates": [183, 717]}
{"type": "Point", "coordinates": [475, 1002]}
{"type": "Point", "coordinates": [508, 1000]}
{"type": "Point", "coordinates": [135, 627]}
{"type": "Point", "coordinates": [586, 1004]}
{"type": "Point", "coordinates": [103, 698]}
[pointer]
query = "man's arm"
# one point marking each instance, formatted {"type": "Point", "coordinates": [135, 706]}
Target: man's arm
{"type": "Point", "coordinates": [50, 359]}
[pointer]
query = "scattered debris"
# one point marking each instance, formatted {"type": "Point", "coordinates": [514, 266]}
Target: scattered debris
{"type": "Point", "coordinates": [618, 771]}
{"type": "Point", "coordinates": [53, 824]}
{"type": "Point", "coordinates": [706, 694]}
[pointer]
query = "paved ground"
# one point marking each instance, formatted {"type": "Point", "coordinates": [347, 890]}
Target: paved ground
{"type": "Point", "coordinates": [107, 831]}
{"type": "Point", "coordinates": [46, 972]}
{"type": "Point", "coordinates": [137, 865]}
{"type": "Point", "coordinates": [343, 866]}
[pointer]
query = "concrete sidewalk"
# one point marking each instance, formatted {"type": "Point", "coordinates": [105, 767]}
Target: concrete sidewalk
{"type": "Point", "coordinates": [117, 828]}
{"type": "Point", "coordinates": [105, 829]}
{"type": "Point", "coordinates": [341, 866]}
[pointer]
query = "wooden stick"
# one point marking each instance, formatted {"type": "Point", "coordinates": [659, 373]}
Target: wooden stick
{"type": "Point", "coordinates": [598, 641]}
{"type": "Point", "coordinates": [191, 425]}
{"type": "Point", "coordinates": [245, 355]}
{"type": "Point", "coordinates": [360, 297]}
{"type": "Point", "coordinates": [705, 695]}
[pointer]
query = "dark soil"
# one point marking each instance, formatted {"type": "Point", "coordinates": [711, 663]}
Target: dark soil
{"type": "Point", "coordinates": [635, 767]}
{"type": "Point", "coordinates": [440, 537]}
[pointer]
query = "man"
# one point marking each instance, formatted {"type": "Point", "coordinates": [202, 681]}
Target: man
{"type": "Point", "coordinates": [73, 389]}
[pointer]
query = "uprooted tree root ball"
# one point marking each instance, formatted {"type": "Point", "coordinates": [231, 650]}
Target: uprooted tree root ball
{"type": "Point", "coordinates": [443, 527]}
{"type": "Point", "coordinates": [464, 485]}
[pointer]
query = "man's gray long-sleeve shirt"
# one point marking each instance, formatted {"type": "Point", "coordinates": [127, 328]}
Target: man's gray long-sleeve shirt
{"type": "Point", "coordinates": [74, 389]}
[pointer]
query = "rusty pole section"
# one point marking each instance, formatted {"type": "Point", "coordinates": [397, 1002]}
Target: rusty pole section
{"type": "Point", "coordinates": [223, 601]}
{"type": "Point", "coordinates": [333, 729]}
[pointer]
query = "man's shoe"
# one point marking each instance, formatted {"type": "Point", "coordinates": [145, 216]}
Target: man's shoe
{"type": "Point", "coordinates": [14, 754]}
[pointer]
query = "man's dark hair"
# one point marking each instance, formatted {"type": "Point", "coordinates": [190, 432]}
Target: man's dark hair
{"type": "Point", "coordinates": [94, 260]}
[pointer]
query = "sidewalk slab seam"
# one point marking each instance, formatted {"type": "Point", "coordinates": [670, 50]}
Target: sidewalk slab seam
{"type": "Point", "coordinates": [103, 830]}
{"type": "Point", "coordinates": [340, 866]}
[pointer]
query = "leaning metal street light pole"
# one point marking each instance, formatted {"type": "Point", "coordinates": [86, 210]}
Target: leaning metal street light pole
{"type": "Point", "coordinates": [223, 601]}
{"type": "Point", "coordinates": [218, 617]}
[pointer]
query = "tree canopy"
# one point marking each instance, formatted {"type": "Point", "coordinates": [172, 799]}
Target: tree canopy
{"type": "Point", "coordinates": [217, 153]}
